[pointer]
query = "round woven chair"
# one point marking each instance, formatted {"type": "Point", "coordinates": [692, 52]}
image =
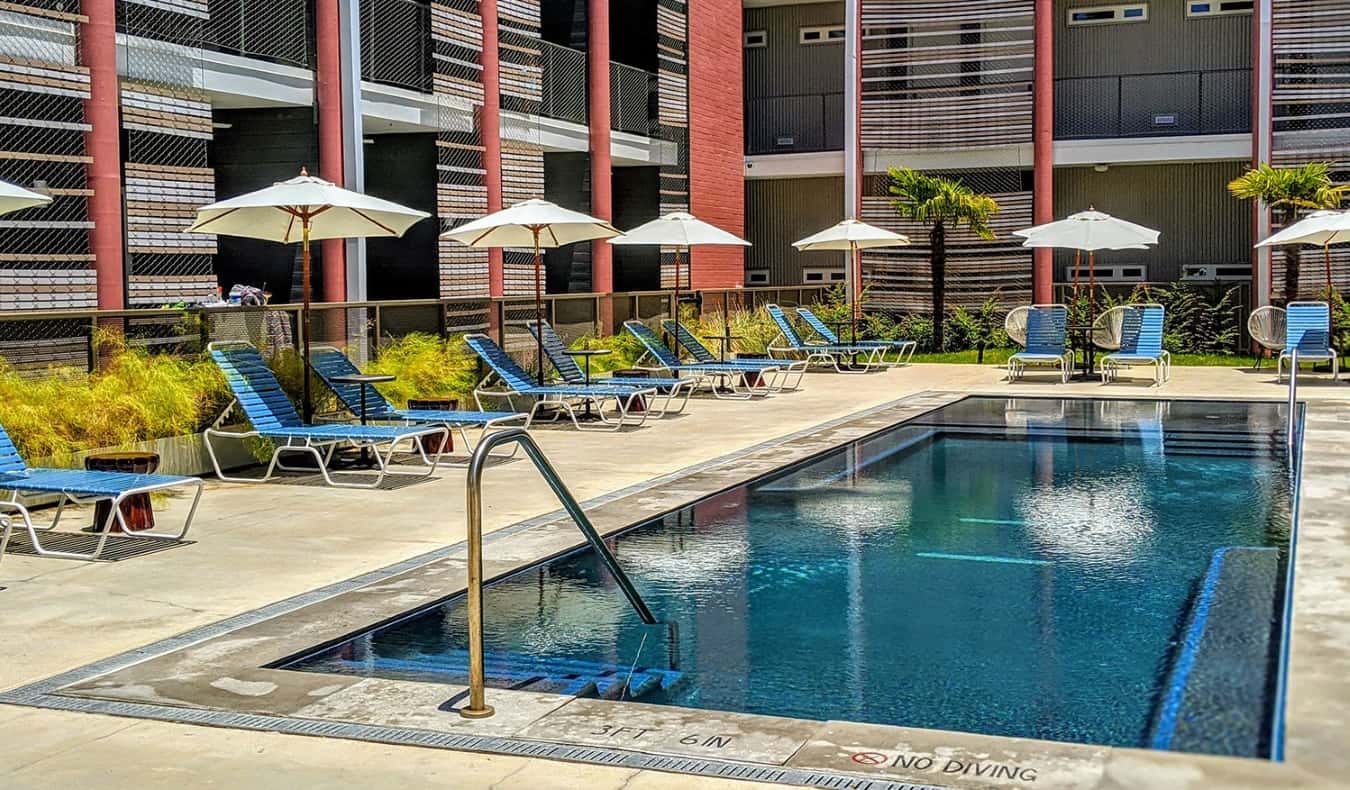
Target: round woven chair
{"type": "Point", "coordinates": [1015, 324]}
{"type": "Point", "coordinates": [1266, 325]}
{"type": "Point", "coordinates": [1106, 330]}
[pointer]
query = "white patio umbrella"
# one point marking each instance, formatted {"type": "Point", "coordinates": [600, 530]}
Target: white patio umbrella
{"type": "Point", "coordinates": [1320, 228]}
{"type": "Point", "coordinates": [538, 224]}
{"type": "Point", "coordinates": [1089, 231]}
{"type": "Point", "coordinates": [302, 209]}
{"type": "Point", "coordinates": [14, 198]}
{"type": "Point", "coordinates": [680, 230]}
{"type": "Point", "coordinates": [851, 235]}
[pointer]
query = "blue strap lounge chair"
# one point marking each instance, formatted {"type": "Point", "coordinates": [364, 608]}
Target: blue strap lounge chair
{"type": "Point", "coordinates": [733, 381]}
{"type": "Point", "coordinates": [272, 416]}
{"type": "Point", "coordinates": [1308, 329]}
{"type": "Point", "coordinates": [330, 363]}
{"type": "Point", "coordinates": [778, 372]}
{"type": "Point", "coordinates": [79, 487]}
{"type": "Point", "coordinates": [1047, 328]}
{"type": "Point", "coordinates": [904, 349]}
{"type": "Point", "coordinates": [674, 388]}
{"type": "Point", "coordinates": [511, 381]}
{"type": "Point", "coordinates": [1141, 339]}
{"type": "Point", "coordinates": [837, 356]}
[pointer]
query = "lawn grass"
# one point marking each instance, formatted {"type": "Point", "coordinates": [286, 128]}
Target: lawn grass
{"type": "Point", "coordinates": [999, 356]}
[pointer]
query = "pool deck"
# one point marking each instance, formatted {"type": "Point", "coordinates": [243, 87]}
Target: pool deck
{"type": "Point", "coordinates": [257, 545]}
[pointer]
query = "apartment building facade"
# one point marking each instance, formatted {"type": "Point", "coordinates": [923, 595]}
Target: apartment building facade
{"type": "Point", "coordinates": [1145, 110]}
{"type": "Point", "coordinates": [133, 113]}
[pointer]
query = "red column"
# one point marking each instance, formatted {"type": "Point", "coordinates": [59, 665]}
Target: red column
{"type": "Point", "coordinates": [1043, 139]}
{"type": "Point", "coordinates": [602, 177]}
{"type": "Point", "coordinates": [490, 130]}
{"type": "Point", "coordinates": [98, 51]}
{"type": "Point", "coordinates": [327, 26]}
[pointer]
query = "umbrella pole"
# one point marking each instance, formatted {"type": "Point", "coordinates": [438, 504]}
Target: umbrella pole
{"type": "Point", "coordinates": [306, 407]}
{"type": "Point", "coordinates": [675, 341]}
{"type": "Point", "coordinates": [1077, 266]}
{"type": "Point", "coordinates": [1092, 287]}
{"type": "Point", "coordinates": [538, 306]}
{"type": "Point", "coordinates": [852, 305]}
{"type": "Point", "coordinates": [1326, 261]}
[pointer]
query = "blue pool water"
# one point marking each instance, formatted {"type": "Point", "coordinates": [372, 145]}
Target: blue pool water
{"type": "Point", "coordinates": [1107, 572]}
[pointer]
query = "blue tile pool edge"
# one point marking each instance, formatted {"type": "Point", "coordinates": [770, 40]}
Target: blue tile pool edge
{"type": "Point", "coordinates": [1287, 615]}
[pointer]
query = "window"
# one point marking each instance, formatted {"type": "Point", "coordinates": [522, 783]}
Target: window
{"type": "Point", "coordinates": [1202, 10]}
{"type": "Point", "coordinates": [1108, 14]}
{"type": "Point", "coordinates": [756, 39]}
{"type": "Point", "coordinates": [824, 34]}
{"type": "Point", "coordinates": [1124, 273]}
{"type": "Point", "coordinates": [757, 276]}
{"type": "Point", "coordinates": [814, 276]}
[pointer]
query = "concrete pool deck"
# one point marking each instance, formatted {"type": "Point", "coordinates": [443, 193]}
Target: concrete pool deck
{"type": "Point", "coordinates": [261, 544]}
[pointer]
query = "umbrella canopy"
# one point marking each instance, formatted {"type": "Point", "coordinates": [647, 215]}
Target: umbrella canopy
{"type": "Point", "coordinates": [300, 210]}
{"type": "Point", "coordinates": [537, 224]}
{"type": "Point", "coordinates": [1320, 228]}
{"type": "Point", "coordinates": [282, 211]}
{"type": "Point", "coordinates": [680, 230]}
{"type": "Point", "coordinates": [1089, 231]}
{"type": "Point", "coordinates": [851, 235]}
{"type": "Point", "coordinates": [14, 198]}
{"type": "Point", "coordinates": [532, 223]}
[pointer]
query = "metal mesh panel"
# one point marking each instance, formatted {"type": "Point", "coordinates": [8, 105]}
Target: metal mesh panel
{"type": "Point", "coordinates": [277, 30]}
{"type": "Point", "coordinates": [396, 43]}
{"type": "Point", "coordinates": [564, 85]}
{"type": "Point", "coordinates": [167, 118]}
{"type": "Point", "coordinates": [45, 258]}
{"type": "Point", "coordinates": [899, 279]}
{"type": "Point", "coordinates": [632, 99]}
{"type": "Point", "coordinates": [1215, 101]}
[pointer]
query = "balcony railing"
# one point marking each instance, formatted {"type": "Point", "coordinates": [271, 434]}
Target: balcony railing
{"type": "Point", "coordinates": [396, 43]}
{"type": "Point", "coordinates": [277, 30]}
{"type": "Point", "coordinates": [795, 124]}
{"type": "Point", "coordinates": [564, 83]}
{"type": "Point", "coordinates": [1154, 105]}
{"type": "Point", "coordinates": [632, 99]}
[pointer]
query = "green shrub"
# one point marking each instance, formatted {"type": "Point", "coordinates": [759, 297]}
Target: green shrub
{"type": "Point", "coordinates": [623, 347]}
{"type": "Point", "coordinates": [134, 397]}
{"type": "Point", "coordinates": [425, 366]}
{"type": "Point", "coordinates": [979, 330]}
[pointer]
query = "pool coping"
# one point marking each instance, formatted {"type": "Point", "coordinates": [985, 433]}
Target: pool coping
{"type": "Point", "coordinates": [213, 675]}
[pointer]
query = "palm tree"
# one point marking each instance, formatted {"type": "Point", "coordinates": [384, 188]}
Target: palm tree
{"type": "Point", "coordinates": [1289, 191]}
{"type": "Point", "coordinates": [938, 203]}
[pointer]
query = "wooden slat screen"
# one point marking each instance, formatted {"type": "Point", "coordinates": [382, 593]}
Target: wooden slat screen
{"type": "Point", "coordinates": [461, 190]}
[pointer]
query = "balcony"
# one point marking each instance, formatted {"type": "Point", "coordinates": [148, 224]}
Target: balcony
{"type": "Point", "coordinates": [396, 43]}
{"type": "Point", "coordinates": [564, 83]}
{"type": "Point", "coordinates": [797, 124]}
{"type": "Point", "coordinates": [275, 30]}
{"type": "Point", "coordinates": [632, 99]}
{"type": "Point", "coordinates": [1154, 105]}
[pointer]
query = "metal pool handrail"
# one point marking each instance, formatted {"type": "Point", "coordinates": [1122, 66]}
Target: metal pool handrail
{"type": "Point", "coordinates": [478, 707]}
{"type": "Point", "coordinates": [1293, 398]}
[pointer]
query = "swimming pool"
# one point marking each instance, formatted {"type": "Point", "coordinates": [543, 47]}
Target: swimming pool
{"type": "Point", "coordinates": [1094, 571]}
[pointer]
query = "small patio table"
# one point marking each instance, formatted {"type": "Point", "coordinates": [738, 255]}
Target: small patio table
{"type": "Point", "coordinates": [364, 380]}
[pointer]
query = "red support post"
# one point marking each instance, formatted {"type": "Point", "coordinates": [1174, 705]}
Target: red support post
{"type": "Point", "coordinates": [602, 175]}
{"type": "Point", "coordinates": [327, 38]}
{"type": "Point", "coordinates": [1043, 140]}
{"type": "Point", "coordinates": [103, 143]}
{"type": "Point", "coordinates": [490, 131]}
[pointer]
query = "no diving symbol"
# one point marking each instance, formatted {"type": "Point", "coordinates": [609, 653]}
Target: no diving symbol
{"type": "Point", "coordinates": [869, 758]}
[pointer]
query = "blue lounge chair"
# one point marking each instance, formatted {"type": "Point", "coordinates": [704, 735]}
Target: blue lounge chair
{"type": "Point", "coordinates": [863, 358]}
{"type": "Point", "coordinates": [330, 363]}
{"type": "Point", "coordinates": [733, 381]}
{"type": "Point", "coordinates": [79, 487]}
{"type": "Point", "coordinates": [675, 388]}
{"type": "Point", "coordinates": [272, 415]}
{"type": "Point", "coordinates": [904, 349]}
{"type": "Point", "coordinates": [512, 382]}
{"type": "Point", "coordinates": [1047, 328]}
{"type": "Point", "coordinates": [777, 371]}
{"type": "Point", "coordinates": [1141, 339]}
{"type": "Point", "coordinates": [1308, 329]}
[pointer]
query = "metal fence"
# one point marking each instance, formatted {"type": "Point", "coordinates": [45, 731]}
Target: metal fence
{"type": "Point", "coordinates": [795, 124]}
{"type": "Point", "coordinates": [277, 30]}
{"type": "Point", "coordinates": [1154, 105]}
{"type": "Point", "coordinates": [564, 83]}
{"type": "Point", "coordinates": [38, 341]}
{"type": "Point", "coordinates": [632, 99]}
{"type": "Point", "coordinates": [396, 43]}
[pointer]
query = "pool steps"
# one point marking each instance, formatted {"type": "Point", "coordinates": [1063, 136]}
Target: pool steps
{"type": "Point", "coordinates": [552, 675]}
